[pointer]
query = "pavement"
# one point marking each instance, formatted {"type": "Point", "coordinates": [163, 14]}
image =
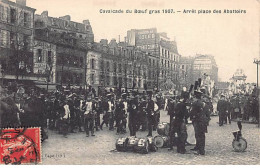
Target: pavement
{"type": "Point", "coordinates": [78, 149]}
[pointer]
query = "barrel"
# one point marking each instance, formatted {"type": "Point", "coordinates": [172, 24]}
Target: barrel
{"type": "Point", "coordinates": [142, 146]}
{"type": "Point", "coordinates": [161, 141]}
{"type": "Point", "coordinates": [163, 128]}
{"type": "Point", "coordinates": [131, 143]}
{"type": "Point", "coordinates": [121, 144]}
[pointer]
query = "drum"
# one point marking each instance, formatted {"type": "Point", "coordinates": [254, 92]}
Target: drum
{"type": "Point", "coordinates": [191, 134]}
{"type": "Point", "coordinates": [131, 143]}
{"type": "Point", "coordinates": [121, 144]}
{"type": "Point", "coordinates": [152, 146]}
{"type": "Point", "coordinates": [161, 141]}
{"type": "Point", "coordinates": [142, 146]}
{"type": "Point", "coordinates": [163, 128]}
{"type": "Point", "coordinates": [239, 145]}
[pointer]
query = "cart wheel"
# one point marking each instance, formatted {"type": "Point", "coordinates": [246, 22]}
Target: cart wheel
{"type": "Point", "coordinates": [240, 145]}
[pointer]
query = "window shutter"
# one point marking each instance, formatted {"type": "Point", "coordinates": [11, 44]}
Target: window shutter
{"type": "Point", "coordinates": [1, 12]}
{"type": "Point", "coordinates": [7, 14]}
{"type": "Point", "coordinates": [29, 20]}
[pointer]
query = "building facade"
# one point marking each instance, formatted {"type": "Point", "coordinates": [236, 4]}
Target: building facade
{"type": "Point", "coordinates": [68, 43]}
{"type": "Point", "coordinates": [116, 66]}
{"type": "Point", "coordinates": [163, 54]}
{"type": "Point", "coordinates": [16, 40]}
{"type": "Point", "coordinates": [205, 65]}
{"type": "Point", "coordinates": [185, 71]}
{"type": "Point", "coordinates": [45, 59]}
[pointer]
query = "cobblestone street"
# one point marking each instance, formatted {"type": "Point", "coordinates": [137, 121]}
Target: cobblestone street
{"type": "Point", "coordinates": [79, 149]}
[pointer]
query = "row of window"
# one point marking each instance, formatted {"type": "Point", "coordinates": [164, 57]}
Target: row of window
{"type": "Point", "coordinates": [70, 77]}
{"type": "Point", "coordinates": [105, 66]}
{"type": "Point", "coordinates": [115, 81]}
{"type": "Point", "coordinates": [167, 64]}
{"type": "Point", "coordinates": [11, 15]}
{"type": "Point", "coordinates": [202, 66]}
{"type": "Point", "coordinates": [147, 47]}
{"type": "Point", "coordinates": [146, 36]}
{"type": "Point", "coordinates": [167, 54]}
{"type": "Point", "coordinates": [44, 56]}
{"type": "Point", "coordinates": [9, 40]}
{"type": "Point", "coordinates": [70, 60]}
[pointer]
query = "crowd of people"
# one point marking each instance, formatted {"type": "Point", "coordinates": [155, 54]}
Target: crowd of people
{"type": "Point", "coordinates": [243, 107]}
{"type": "Point", "coordinates": [68, 111]}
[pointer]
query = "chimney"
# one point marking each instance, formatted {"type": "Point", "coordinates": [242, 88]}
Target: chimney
{"type": "Point", "coordinates": [44, 14]}
{"type": "Point", "coordinates": [86, 22]}
{"type": "Point", "coordinates": [21, 2]}
{"type": "Point", "coordinates": [66, 17]}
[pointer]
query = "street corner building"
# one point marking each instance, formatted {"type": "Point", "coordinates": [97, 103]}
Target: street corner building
{"type": "Point", "coordinates": [16, 40]}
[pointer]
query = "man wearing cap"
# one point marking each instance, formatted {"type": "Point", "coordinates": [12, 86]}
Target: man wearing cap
{"type": "Point", "coordinates": [222, 108]}
{"type": "Point", "coordinates": [199, 121]}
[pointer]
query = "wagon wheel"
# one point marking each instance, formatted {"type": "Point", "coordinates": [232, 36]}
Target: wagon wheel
{"type": "Point", "coordinates": [240, 145]}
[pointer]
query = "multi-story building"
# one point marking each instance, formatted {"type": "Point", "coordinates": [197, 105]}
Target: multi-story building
{"type": "Point", "coordinates": [115, 65]}
{"type": "Point", "coordinates": [16, 40]}
{"type": "Point", "coordinates": [66, 43]}
{"type": "Point", "coordinates": [65, 25]}
{"type": "Point", "coordinates": [169, 59]}
{"type": "Point", "coordinates": [164, 56]}
{"type": "Point", "coordinates": [205, 65]}
{"type": "Point", "coordinates": [185, 71]}
{"type": "Point", "coordinates": [45, 57]}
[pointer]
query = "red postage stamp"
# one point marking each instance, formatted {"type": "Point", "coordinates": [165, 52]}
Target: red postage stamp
{"type": "Point", "coordinates": [20, 146]}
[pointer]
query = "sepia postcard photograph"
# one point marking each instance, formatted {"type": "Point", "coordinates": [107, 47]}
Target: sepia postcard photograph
{"type": "Point", "coordinates": [120, 82]}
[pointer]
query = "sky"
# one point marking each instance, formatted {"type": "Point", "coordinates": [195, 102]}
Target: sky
{"type": "Point", "coordinates": [233, 39]}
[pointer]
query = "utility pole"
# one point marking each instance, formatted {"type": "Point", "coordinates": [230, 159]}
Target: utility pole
{"type": "Point", "coordinates": [256, 61]}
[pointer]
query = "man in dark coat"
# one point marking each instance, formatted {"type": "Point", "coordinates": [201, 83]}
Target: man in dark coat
{"type": "Point", "coordinates": [171, 111]}
{"type": "Point", "coordinates": [199, 121]}
{"type": "Point", "coordinates": [150, 114]}
{"type": "Point", "coordinates": [8, 113]}
{"type": "Point", "coordinates": [142, 118]}
{"type": "Point", "coordinates": [132, 120]}
{"type": "Point", "coordinates": [89, 117]}
{"type": "Point", "coordinates": [222, 108]}
{"type": "Point", "coordinates": [98, 112]}
{"type": "Point", "coordinates": [120, 114]}
{"type": "Point", "coordinates": [105, 111]}
{"type": "Point", "coordinates": [179, 124]}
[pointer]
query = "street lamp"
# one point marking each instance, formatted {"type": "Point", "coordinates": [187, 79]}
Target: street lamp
{"type": "Point", "coordinates": [256, 61]}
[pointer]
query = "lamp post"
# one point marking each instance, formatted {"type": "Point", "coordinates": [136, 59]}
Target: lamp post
{"type": "Point", "coordinates": [256, 61]}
